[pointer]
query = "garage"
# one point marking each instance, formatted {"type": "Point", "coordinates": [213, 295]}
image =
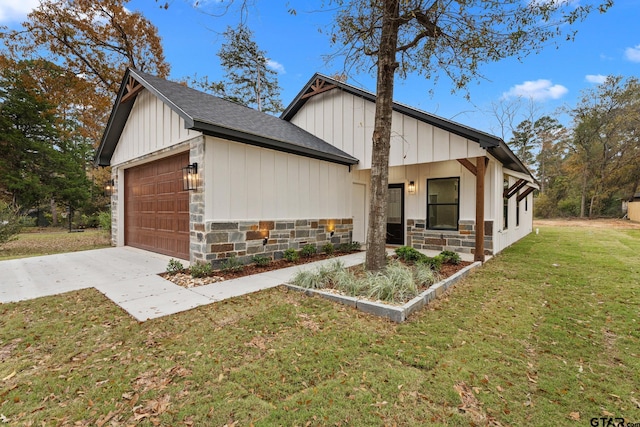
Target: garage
{"type": "Point", "coordinates": [157, 208]}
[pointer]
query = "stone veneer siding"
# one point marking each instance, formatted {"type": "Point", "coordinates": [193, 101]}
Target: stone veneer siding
{"type": "Point", "coordinates": [213, 241]}
{"type": "Point", "coordinates": [461, 240]}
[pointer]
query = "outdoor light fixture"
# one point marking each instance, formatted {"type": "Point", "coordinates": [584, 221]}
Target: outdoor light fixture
{"type": "Point", "coordinates": [264, 241]}
{"type": "Point", "coordinates": [412, 187]}
{"type": "Point", "coordinates": [331, 234]}
{"type": "Point", "coordinates": [108, 188]}
{"type": "Point", "coordinates": [190, 177]}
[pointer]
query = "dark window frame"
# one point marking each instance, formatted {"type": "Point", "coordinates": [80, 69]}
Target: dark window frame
{"type": "Point", "coordinates": [457, 205]}
{"type": "Point", "coordinates": [505, 203]}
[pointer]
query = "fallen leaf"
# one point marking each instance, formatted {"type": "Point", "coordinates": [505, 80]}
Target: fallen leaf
{"type": "Point", "coordinates": [607, 413]}
{"type": "Point", "coordinates": [575, 416]}
{"type": "Point", "coordinates": [531, 379]}
{"type": "Point", "coordinates": [8, 377]}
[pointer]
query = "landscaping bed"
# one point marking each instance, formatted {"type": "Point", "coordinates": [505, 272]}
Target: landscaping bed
{"type": "Point", "coordinates": [395, 312]}
{"type": "Point", "coordinates": [184, 277]}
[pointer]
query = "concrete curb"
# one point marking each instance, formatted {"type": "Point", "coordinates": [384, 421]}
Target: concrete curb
{"type": "Point", "coordinates": [394, 313]}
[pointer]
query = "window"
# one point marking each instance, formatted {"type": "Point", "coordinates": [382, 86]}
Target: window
{"type": "Point", "coordinates": [442, 203]}
{"type": "Point", "coordinates": [505, 203]}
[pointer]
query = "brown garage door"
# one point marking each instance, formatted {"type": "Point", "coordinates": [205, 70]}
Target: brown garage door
{"type": "Point", "coordinates": [156, 208]}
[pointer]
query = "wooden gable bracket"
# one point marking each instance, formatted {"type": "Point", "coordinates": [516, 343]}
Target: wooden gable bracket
{"type": "Point", "coordinates": [524, 194]}
{"type": "Point", "coordinates": [132, 88]}
{"type": "Point", "coordinates": [471, 167]}
{"type": "Point", "coordinates": [318, 87]}
{"type": "Point", "coordinates": [511, 191]}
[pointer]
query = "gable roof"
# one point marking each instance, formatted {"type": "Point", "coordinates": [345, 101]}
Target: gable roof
{"type": "Point", "coordinates": [495, 146]}
{"type": "Point", "coordinates": [214, 116]}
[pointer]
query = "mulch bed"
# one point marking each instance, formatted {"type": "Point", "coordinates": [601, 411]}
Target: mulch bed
{"type": "Point", "coordinates": [184, 279]}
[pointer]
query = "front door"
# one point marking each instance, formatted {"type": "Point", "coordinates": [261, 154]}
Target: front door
{"type": "Point", "coordinates": [395, 215]}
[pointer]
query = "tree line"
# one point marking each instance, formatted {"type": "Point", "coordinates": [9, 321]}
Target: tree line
{"type": "Point", "coordinates": [591, 166]}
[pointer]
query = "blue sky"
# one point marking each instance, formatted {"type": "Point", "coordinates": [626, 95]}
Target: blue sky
{"type": "Point", "coordinates": [606, 44]}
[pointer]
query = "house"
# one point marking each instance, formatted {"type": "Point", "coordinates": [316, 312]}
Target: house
{"type": "Point", "coordinates": [262, 184]}
{"type": "Point", "coordinates": [631, 207]}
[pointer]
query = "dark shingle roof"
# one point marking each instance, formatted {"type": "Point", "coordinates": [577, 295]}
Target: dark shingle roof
{"type": "Point", "coordinates": [217, 117]}
{"type": "Point", "coordinates": [494, 145]}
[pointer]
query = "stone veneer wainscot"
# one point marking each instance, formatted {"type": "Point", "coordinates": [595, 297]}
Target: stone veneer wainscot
{"type": "Point", "coordinates": [461, 240]}
{"type": "Point", "coordinates": [214, 241]}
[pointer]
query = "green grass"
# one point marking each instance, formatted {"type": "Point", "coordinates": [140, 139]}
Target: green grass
{"type": "Point", "coordinates": [547, 331]}
{"type": "Point", "coordinates": [53, 241]}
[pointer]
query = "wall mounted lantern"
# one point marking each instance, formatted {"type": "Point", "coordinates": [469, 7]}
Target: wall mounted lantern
{"type": "Point", "coordinates": [332, 233]}
{"type": "Point", "coordinates": [265, 241]}
{"type": "Point", "coordinates": [190, 177]}
{"type": "Point", "coordinates": [412, 187]}
{"type": "Point", "coordinates": [108, 188]}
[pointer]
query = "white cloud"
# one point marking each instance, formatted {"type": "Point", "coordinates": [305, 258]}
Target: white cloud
{"type": "Point", "coordinates": [16, 10]}
{"type": "Point", "coordinates": [595, 78]}
{"type": "Point", "coordinates": [538, 90]}
{"type": "Point", "coordinates": [632, 53]}
{"type": "Point", "coordinates": [276, 66]}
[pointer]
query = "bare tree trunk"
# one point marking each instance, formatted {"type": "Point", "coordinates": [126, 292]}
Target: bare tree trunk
{"type": "Point", "coordinates": [583, 196]}
{"type": "Point", "coordinates": [54, 213]}
{"type": "Point", "coordinates": [377, 228]}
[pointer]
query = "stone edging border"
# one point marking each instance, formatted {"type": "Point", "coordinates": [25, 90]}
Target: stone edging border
{"type": "Point", "coordinates": [394, 313]}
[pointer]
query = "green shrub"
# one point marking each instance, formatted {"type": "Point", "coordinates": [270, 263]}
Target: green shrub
{"type": "Point", "coordinates": [328, 248]}
{"type": "Point", "coordinates": [291, 255]}
{"type": "Point", "coordinates": [450, 257]}
{"type": "Point", "coordinates": [395, 283]}
{"type": "Point", "coordinates": [174, 266]}
{"type": "Point", "coordinates": [321, 277]}
{"type": "Point", "coordinates": [434, 263]}
{"type": "Point", "coordinates": [231, 264]}
{"type": "Point", "coordinates": [200, 269]}
{"type": "Point", "coordinates": [409, 254]}
{"type": "Point", "coordinates": [348, 283]}
{"type": "Point", "coordinates": [261, 260]}
{"type": "Point", "coordinates": [308, 250]}
{"type": "Point", "coordinates": [307, 280]}
{"type": "Point", "coordinates": [424, 275]}
{"type": "Point", "coordinates": [104, 221]}
{"type": "Point", "coordinates": [11, 222]}
{"type": "Point", "coordinates": [350, 247]}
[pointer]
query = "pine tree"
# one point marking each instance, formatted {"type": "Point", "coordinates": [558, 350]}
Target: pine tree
{"type": "Point", "coordinates": [248, 80]}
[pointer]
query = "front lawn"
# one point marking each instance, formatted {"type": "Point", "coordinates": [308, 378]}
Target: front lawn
{"type": "Point", "coordinates": [545, 334]}
{"type": "Point", "coordinates": [38, 242]}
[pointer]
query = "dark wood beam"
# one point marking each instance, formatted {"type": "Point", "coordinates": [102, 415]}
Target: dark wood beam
{"type": "Point", "coordinates": [467, 164]}
{"type": "Point", "coordinates": [524, 194]}
{"type": "Point", "coordinates": [132, 88]}
{"type": "Point", "coordinates": [511, 191]}
{"type": "Point", "coordinates": [479, 247]}
{"type": "Point", "coordinates": [318, 87]}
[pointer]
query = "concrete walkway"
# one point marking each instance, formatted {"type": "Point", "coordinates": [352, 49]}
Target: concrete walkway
{"type": "Point", "coordinates": [129, 277]}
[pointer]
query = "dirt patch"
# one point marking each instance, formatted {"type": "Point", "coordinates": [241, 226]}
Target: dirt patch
{"type": "Point", "coordinates": [588, 223]}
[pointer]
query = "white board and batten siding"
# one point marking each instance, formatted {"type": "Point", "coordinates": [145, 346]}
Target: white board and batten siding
{"type": "Point", "coordinates": [248, 183]}
{"type": "Point", "coordinates": [151, 126]}
{"type": "Point", "coordinates": [346, 121]}
{"type": "Point", "coordinates": [503, 238]}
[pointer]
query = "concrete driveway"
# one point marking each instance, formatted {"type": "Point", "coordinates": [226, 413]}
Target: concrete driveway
{"type": "Point", "coordinates": [126, 275]}
{"type": "Point", "coordinates": [129, 277]}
